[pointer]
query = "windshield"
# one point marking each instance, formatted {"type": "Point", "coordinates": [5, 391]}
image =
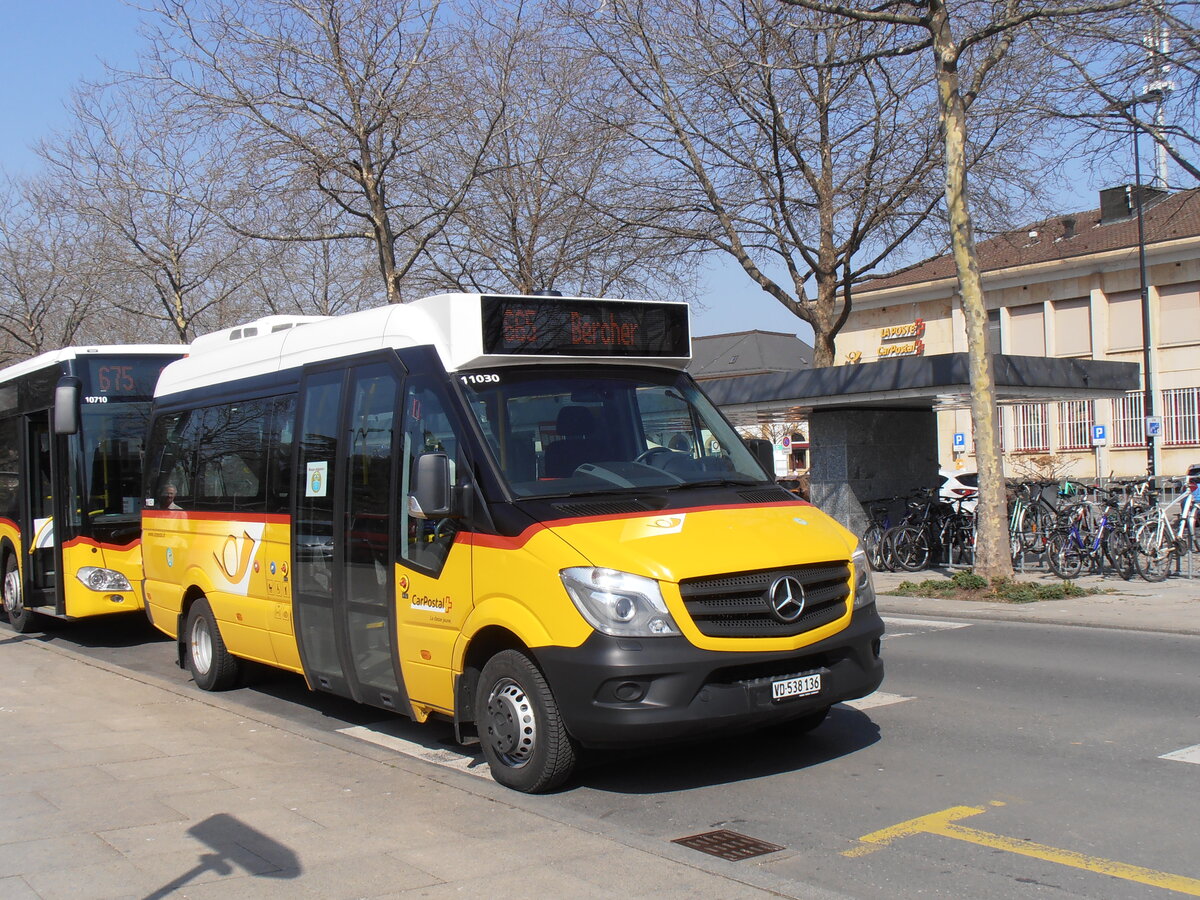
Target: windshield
{"type": "Point", "coordinates": [573, 430]}
{"type": "Point", "coordinates": [111, 445]}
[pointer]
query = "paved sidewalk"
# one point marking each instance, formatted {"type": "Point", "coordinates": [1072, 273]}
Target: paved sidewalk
{"type": "Point", "coordinates": [113, 785]}
{"type": "Point", "coordinates": [1171, 606]}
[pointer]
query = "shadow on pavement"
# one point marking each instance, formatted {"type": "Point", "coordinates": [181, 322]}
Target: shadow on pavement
{"type": "Point", "coordinates": [678, 767]}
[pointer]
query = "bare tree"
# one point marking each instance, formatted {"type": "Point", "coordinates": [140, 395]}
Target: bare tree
{"type": "Point", "coordinates": [45, 289]}
{"type": "Point", "coordinates": [558, 204]}
{"type": "Point", "coordinates": [807, 173]}
{"type": "Point", "coordinates": [953, 30]}
{"type": "Point", "coordinates": [148, 187]}
{"type": "Point", "coordinates": [351, 111]}
{"type": "Point", "coordinates": [312, 278]}
{"type": "Point", "coordinates": [1135, 74]}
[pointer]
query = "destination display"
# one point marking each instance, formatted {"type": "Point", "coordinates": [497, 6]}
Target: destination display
{"type": "Point", "coordinates": [127, 377]}
{"type": "Point", "coordinates": [548, 326]}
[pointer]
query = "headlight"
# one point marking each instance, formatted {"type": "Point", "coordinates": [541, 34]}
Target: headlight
{"type": "Point", "coordinates": [103, 579]}
{"type": "Point", "coordinates": [864, 587]}
{"type": "Point", "coordinates": [618, 603]}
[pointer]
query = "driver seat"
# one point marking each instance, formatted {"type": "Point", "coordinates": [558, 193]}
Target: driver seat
{"type": "Point", "coordinates": [576, 429]}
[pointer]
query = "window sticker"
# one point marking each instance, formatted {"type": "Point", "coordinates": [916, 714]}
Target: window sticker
{"type": "Point", "coordinates": [316, 479]}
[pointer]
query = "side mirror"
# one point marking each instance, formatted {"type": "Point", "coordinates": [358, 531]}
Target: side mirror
{"type": "Point", "coordinates": [764, 452]}
{"type": "Point", "coordinates": [66, 405]}
{"type": "Point", "coordinates": [431, 494]}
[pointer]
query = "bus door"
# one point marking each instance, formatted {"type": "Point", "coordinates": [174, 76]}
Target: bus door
{"type": "Point", "coordinates": [40, 545]}
{"type": "Point", "coordinates": [343, 537]}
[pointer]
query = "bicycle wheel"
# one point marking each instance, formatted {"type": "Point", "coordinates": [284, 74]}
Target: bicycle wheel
{"type": "Point", "coordinates": [1064, 555]}
{"type": "Point", "coordinates": [910, 548]}
{"type": "Point", "coordinates": [1154, 552]}
{"type": "Point", "coordinates": [1120, 554]}
{"type": "Point", "coordinates": [1036, 526]}
{"type": "Point", "coordinates": [872, 543]}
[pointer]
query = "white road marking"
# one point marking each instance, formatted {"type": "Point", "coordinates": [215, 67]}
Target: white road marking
{"type": "Point", "coordinates": [1187, 754]}
{"type": "Point", "coordinates": [876, 700]}
{"type": "Point", "coordinates": [439, 756]}
{"type": "Point", "coordinates": [931, 624]}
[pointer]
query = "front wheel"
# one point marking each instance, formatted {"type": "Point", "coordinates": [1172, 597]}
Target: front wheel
{"type": "Point", "coordinates": [910, 548]}
{"type": "Point", "coordinates": [20, 617]}
{"type": "Point", "coordinates": [212, 666]}
{"type": "Point", "coordinates": [1153, 553]}
{"type": "Point", "coordinates": [522, 734]}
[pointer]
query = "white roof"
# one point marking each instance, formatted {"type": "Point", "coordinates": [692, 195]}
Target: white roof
{"type": "Point", "coordinates": [450, 323]}
{"type": "Point", "coordinates": [53, 357]}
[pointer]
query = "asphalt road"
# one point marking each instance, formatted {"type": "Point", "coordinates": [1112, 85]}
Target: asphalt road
{"type": "Point", "coordinates": [999, 759]}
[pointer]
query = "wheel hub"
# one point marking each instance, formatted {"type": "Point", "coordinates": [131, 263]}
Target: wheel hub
{"type": "Point", "coordinates": [12, 593]}
{"type": "Point", "coordinates": [511, 728]}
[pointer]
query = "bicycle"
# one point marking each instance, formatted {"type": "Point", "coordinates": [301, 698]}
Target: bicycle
{"type": "Point", "coordinates": [1079, 538]}
{"type": "Point", "coordinates": [1158, 544]}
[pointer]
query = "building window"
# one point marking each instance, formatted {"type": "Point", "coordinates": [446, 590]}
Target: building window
{"type": "Point", "coordinates": [1179, 314]}
{"type": "Point", "coordinates": [1073, 327]}
{"type": "Point", "coordinates": [1075, 419]}
{"type": "Point", "coordinates": [1128, 429]}
{"type": "Point", "coordinates": [1031, 431]}
{"type": "Point", "coordinates": [1125, 321]}
{"type": "Point", "coordinates": [1027, 331]}
{"type": "Point", "coordinates": [1181, 416]}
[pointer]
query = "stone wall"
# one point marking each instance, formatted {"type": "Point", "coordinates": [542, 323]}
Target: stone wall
{"type": "Point", "coordinates": [865, 454]}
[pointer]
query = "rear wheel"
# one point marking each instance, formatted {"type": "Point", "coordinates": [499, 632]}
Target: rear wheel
{"type": "Point", "coordinates": [522, 734]}
{"type": "Point", "coordinates": [212, 666]}
{"type": "Point", "coordinates": [1120, 553]}
{"type": "Point", "coordinates": [1065, 558]}
{"type": "Point", "coordinates": [20, 617]}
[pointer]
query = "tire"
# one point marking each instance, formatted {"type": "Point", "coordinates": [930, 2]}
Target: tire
{"type": "Point", "coordinates": [212, 666]}
{"type": "Point", "coordinates": [910, 548]}
{"type": "Point", "coordinates": [1153, 555]}
{"type": "Point", "coordinates": [872, 542]}
{"type": "Point", "coordinates": [21, 618]}
{"type": "Point", "coordinates": [520, 728]}
{"type": "Point", "coordinates": [1120, 553]}
{"type": "Point", "coordinates": [1066, 559]}
{"type": "Point", "coordinates": [1036, 525]}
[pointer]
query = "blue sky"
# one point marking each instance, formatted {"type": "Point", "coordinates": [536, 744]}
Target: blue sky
{"type": "Point", "coordinates": [48, 46]}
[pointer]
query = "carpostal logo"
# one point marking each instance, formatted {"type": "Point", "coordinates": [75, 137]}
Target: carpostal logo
{"type": "Point", "coordinates": [432, 604]}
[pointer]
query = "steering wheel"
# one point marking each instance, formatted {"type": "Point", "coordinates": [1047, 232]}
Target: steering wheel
{"type": "Point", "coordinates": [654, 456]}
{"type": "Point", "coordinates": [443, 527]}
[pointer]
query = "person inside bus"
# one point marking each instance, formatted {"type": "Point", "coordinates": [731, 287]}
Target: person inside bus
{"type": "Point", "coordinates": [169, 494]}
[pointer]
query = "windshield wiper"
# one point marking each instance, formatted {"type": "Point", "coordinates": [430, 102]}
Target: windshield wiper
{"type": "Point", "coordinates": [717, 482]}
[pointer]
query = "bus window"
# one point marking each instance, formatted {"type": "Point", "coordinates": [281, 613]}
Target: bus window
{"type": "Point", "coordinates": [427, 429]}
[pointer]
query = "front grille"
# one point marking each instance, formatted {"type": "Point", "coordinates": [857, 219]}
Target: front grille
{"type": "Point", "coordinates": [738, 605]}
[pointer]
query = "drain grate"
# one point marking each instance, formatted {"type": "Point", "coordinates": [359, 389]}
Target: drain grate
{"type": "Point", "coordinates": [727, 845]}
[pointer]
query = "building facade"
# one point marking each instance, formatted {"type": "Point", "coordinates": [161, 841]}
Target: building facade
{"type": "Point", "coordinates": [1066, 287]}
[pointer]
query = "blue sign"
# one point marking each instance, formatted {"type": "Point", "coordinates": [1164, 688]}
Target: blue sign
{"type": "Point", "coordinates": [1153, 426]}
{"type": "Point", "coordinates": [960, 440]}
{"type": "Point", "coordinates": [1099, 434]}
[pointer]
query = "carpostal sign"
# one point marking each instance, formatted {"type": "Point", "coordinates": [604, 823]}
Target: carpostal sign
{"type": "Point", "coordinates": [910, 333]}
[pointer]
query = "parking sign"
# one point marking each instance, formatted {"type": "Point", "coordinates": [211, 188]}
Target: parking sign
{"type": "Point", "coordinates": [960, 440]}
{"type": "Point", "coordinates": [1153, 426]}
{"type": "Point", "coordinates": [1099, 435]}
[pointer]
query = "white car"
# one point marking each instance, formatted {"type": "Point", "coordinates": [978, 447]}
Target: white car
{"type": "Point", "coordinates": [959, 486]}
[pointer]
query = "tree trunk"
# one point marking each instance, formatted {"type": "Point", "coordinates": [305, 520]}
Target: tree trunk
{"type": "Point", "coordinates": [992, 558]}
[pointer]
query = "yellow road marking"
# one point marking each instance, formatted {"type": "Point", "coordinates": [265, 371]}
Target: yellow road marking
{"type": "Point", "coordinates": [944, 823]}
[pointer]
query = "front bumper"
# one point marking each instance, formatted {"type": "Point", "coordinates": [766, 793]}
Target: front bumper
{"type": "Point", "coordinates": [615, 692]}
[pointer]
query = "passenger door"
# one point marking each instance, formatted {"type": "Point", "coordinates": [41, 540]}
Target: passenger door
{"type": "Point", "coordinates": [343, 537]}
